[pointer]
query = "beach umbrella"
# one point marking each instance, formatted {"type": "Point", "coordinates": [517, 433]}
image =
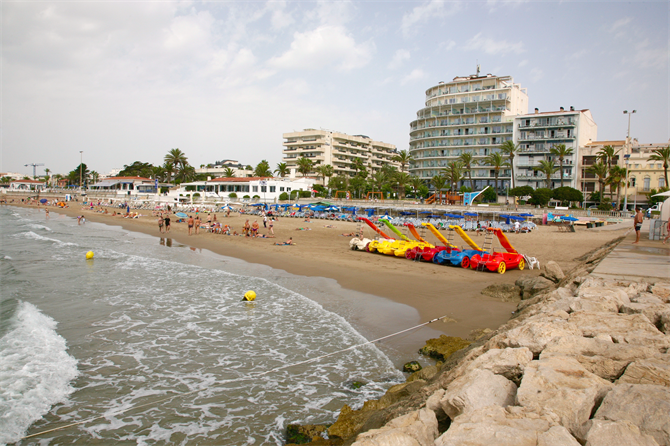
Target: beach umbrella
{"type": "Point", "coordinates": [525, 215]}
{"type": "Point", "coordinates": [43, 200]}
{"type": "Point", "coordinates": [569, 219]}
{"type": "Point", "coordinates": [516, 218]}
{"type": "Point", "coordinates": [181, 215]}
{"type": "Point", "coordinates": [470, 214]}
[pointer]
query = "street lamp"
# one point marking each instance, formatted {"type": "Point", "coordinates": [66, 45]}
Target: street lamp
{"type": "Point", "coordinates": [627, 156]}
{"type": "Point", "coordinates": [81, 162]}
{"type": "Point", "coordinates": [625, 112]}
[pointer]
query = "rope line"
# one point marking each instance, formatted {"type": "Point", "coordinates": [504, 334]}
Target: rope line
{"type": "Point", "coordinates": [244, 378]}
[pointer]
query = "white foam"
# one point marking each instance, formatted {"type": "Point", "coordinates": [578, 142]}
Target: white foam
{"type": "Point", "coordinates": [35, 371]}
{"type": "Point", "coordinates": [32, 235]}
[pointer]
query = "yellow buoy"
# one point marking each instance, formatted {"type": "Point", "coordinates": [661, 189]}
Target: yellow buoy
{"type": "Point", "coordinates": [89, 255]}
{"type": "Point", "coordinates": [249, 296]}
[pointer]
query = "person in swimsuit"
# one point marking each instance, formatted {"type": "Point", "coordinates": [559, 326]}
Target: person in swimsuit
{"type": "Point", "coordinates": [167, 223]}
{"type": "Point", "coordinates": [246, 228]}
{"type": "Point", "coordinates": [197, 224]}
{"type": "Point", "coordinates": [254, 229]}
{"type": "Point", "coordinates": [271, 227]}
{"type": "Point", "coordinates": [190, 223]}
{"type": "Point", "coordinates": [161, 221]}
{"type": "Point", "coordinates": [639, 218]}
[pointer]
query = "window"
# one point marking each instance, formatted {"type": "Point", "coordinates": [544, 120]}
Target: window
{"type": "Point", "coordinates": [263, 189]}
{"type": "Point", "coordinates": [632, 181]}
{"type": "Point", "coordinates": [647, 184]}
{"type": "Point", "coordinates": [273, 188]}
{"type": "Point", "coordinates": [254, 188]}
{"type": "Point", "coordinates": [661, 182]}
{"type": "Point", "coordinates": [281, 189]}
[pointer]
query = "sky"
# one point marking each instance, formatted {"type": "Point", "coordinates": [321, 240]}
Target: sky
{"type": "Point", "coordinates": [128, 81]}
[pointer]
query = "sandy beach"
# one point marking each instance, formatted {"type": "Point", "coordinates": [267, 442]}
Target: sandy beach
{"type": "Point", "coordinates": [322, 251]}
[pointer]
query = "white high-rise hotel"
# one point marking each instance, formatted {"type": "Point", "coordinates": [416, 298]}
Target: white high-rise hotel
{"type": "Point", "coordinates": [472, 114]}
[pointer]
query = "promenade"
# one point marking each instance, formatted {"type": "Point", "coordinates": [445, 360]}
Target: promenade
{"type": "Point", "coordinates": [649, 259]}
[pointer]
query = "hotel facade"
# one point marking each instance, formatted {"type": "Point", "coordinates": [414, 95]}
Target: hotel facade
{"type": "Point", "coordinates": [337, 149]}
{"type": "Point", "coordinates": [473, 114]}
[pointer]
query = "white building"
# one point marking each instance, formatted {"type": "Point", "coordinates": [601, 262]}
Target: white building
{"type": "Point", "coordinates": [337, 149]}
{"type": "Point", "coordinates": [220, 168]}
{"type": "Point", "coordinates": [265, 189]}
{"type": "Point", "coordinates": [126, 185]}
{"type": "Point", "coordinates": [472, 114]}
{"type": "Point", "coordinates": [537, 133]}
{"type": "Point", "coordinates": [27, 185]}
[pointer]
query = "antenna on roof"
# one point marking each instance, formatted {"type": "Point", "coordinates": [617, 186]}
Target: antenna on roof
{"type": "Point", "coordinates": [478, 69]}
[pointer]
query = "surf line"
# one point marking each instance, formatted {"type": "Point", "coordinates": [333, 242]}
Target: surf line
{"type": "Point", "coordinates": [245, 378]}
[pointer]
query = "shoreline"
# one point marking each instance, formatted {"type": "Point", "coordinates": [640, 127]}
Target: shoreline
{"type": "Point", "coordinates": [431, 290]}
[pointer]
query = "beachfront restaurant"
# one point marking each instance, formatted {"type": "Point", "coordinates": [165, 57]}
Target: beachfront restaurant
{"type": "Point", "coordinates": [268, 189]}
{"type": "Point", "coordinates": [126, 185]}
{"type": "Point", "coordinates": [27, 185]}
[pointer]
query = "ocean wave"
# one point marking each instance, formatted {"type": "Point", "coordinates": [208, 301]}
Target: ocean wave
{"type": "Point", "coordinates": [35, 371]}
{"type": "Point", "coordinates": [34, 236]}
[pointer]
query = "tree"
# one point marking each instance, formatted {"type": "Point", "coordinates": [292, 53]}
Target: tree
{"type": "Point", "coordinates": [655, 200]}
{"type": "Point", "coordinates": [263, 169]}
{"type": "Point", "coordinates": [606, 155]}
{"type": "Point", "coordinates": [229, 172]}
{"type": "Point", "coordinates": [548, 168]}
{"type": "Point", "coordinates": [81, 171]}
{"type": "Point", "coordinates": [357, 185]}
{"type": "Point", "coordinates": [6, 180]}
{"type": "Point", "coordinates": [46, 175]}
{"type": "Point", "coordinates": [359, 167]}
{"type": "Point", "coordinates": [169, 171]}
{"type": "Point", "coordinates": [615, 180]}
{"type": "Point", "coordinates": [338, 183]}
{"type": "Point", "coordinates": [567, 194]}
{"type": "Point", "coordinates": [416, 184]}
{"type": "Point", "coordinates": [489, 195]}
{"type": "Point", "coordinates": [497, 161]}
{"type": "Point", "coordinates": [177, 158]}
{"type": "Point", "coordinates": [378, 180]}
{"type": "Point", "coordinates": [438, 182]}
{"type": "Point", "coordinates": [304, 166]}
{"type": "Point", "coordinates": [600, 170]}
{"type": "Point", "coordinates": [401, 180]}
{"type": "Point", "coordinates": [509, 149]}
{"type": "Point", "coordinates": [467, 159]}
{"type": "Point", "coordinates": [561, 152]}
{"type": "Point", "coordinates": [94, 176]}
{"type": "Point", "coordinates": [326, 171]}
{"type": "Point", "coordinates": [540, 196]}
{"type": "Point", "coordinates": [662, 155]}
{"type": "Point", "coordinates": [453, 173]}
{"type": "Point", "coordinates": [404, 158]}
{"type": "Point", "coordinates": [282, 170]}
{"type": "Point", "coordinates": [186, 174]}
{"type": "Point", "coordinates": [521, 191]}
{"type": "Point", "coordinates": [137, 169]}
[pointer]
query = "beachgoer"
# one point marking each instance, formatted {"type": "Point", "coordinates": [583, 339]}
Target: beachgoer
{"type": "Point", "coordinates": [167, 223]}
{"type": "Point", "coordinates": [639, 218]}
{"type": "Point", "coordinates": [246, 228]}
{"type": "Point", "coordinates": [265, 221]}
{"type": "Point", "coordinates": [79, 218]}
{"type": "Point", "coordinates": [271, 227]}
{"type": "Point", "coordinates": [197, 224]}
{"type": "Point", "coordinates": [287, 242]}
{"type": "Point", "coordinates": [254, 229]}
{"type": "Point", "coordinates": [190, 223]}
{"type": "Point", "coordinates": [47, 213]}
{"type": "Point", "coordinates": [161, 222]}
{"type": "Point", "coordinates": [517, 227]}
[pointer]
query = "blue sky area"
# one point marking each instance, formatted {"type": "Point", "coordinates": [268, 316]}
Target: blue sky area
{"type": "Point", "coordinates": [127, 81]}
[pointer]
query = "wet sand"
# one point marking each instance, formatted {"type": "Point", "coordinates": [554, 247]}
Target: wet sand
{"type": "Point", "coordinates": [322, 252]}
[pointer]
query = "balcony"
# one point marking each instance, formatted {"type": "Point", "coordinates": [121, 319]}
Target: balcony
{"type": "Point", "coordinates": [545, 137]}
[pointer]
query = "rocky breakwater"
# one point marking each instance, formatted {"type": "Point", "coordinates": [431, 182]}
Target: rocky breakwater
{"type": "Point", "coordinates": [586, 363]}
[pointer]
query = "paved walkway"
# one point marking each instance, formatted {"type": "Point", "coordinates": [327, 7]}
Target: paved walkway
{"type": "Point", "coordinates": [649, 259]}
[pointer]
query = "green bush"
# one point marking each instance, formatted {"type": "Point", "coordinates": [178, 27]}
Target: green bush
{"type": "Point", "coordinates": [283, 196]}
{"type": "Point", "coordinates": [489, 195]}
{"type": "Point", "coordinates": [232, 195]}
{"type": "Point", "coordinates": [256, 196]}
{"type": "Point", "coordinates": [196, 195]}
{"type": "Point", "coordinates": [305, 194]}
{"type": "Point", "coordinates": [246, 196]}
{"type": "Point", "coordinates": [566, 194]}
{"type": "Point", "coordinates": [521, 191]}
{"type": "Point", "coordinates": [540, 196]}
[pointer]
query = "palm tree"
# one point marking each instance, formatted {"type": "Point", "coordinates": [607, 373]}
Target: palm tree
{"type": "Point", "coordinates": [561, 152]}
{"type": "Point", "coordinates": [404, 158]}
{"type": "Point", "coordinates": [662, 155]}
{"type": "Point", "coordinates": [416, 184]}
{"type": "Point", "coordinates": [177, 159]}
{"type": "Point", "coordinates": [359, 166]}
{"type": "Point", "coordinates": [282, 170]}
{"type": "Point", "coordinates": [94, 176]}
{"type": "Point", "coordinates": [508, 148]}
{"type": "Point", "coordinates": [616, 180]}
{"type": "Point", "coordinates": [168, 169]}
{"type": "Point", "coordinates": [46, 175]}
{"type": "Point", "coordinates": [402, 179]}
{"type": "Point", "coordinates": [57, 178]}
{"type": "Point", "coordinates": [438, 181]}
{"type": "Point", "coordinates": [497, 161]}
{"type": "Point", "coordinates": [326, 171]}
{"type": "Point", "coordinates": [601, 171]}
{"type": "Point", "coordinates": [263, 169]}
{"type": "Point", "coordinates": [606, 155]}
{"type": "Point", "coordinates": [304, 166]}
{"type": "Point", "coordinates": [453, 173]}
{"type": "Point", "coordinates": [468, 161]}
{"type": "Point", "coordinates": [378, 180]}
{"type": "Point", "coordinates": [6, 180]}
{"type": "Point", "coordinates": [548, 168]}
{"type": "Point", "coordinates": [228, 172]}
{"type": "Point", "coordinates": [186, 174]}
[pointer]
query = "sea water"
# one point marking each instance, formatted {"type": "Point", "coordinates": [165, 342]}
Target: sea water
{"type": "Point", "coordinates": [155, 345]}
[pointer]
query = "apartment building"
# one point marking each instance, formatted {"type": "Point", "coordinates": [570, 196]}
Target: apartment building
{"type": "Point", "coordinates": [472, 114]}
{"type": "Point", "coordinates": [337, 149]}
{"type": "Point", "coordinates": [644, 175]}
{"type": "Point", "coordinates": [588, 156]}
{"type": "Point", "coordinates": [537, 133]}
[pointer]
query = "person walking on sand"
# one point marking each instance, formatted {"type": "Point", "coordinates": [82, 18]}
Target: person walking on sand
{"type": "Point", "coordinates": [190, 222]}
{"type": "Point", "coordinates": [167, 223]}
{"type": "Point", "coordinates": [265, 221]}
{"type": "Point", "coordinates": [161, 222]}
{"type": "Point", "coordinates": [197, 224]}
{"type": "Point", "coordinates": [271, 227]}
{"type": "Point", "coordinates": [639, 218]}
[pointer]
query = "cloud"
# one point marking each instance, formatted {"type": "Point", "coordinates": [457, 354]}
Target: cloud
{"type": "Point", "coordinates": [647, 57]}
{"type": "Point", "coordinates": [447, 46]}
{"type": "Point", "coordinates": [399, 59]}
{"type": "Point", "coordinates": [324, 46]}
{"type": "Point", "coordinates": [415, 75]}
{"type": "Point", "coordinates": [430, 10]}
{"type": "Point", "coordinates": [620, 23]}
{"type": "Point", "coordinates": [493, 46]}
{"type": "Point", "coordinates": [577, 55]}
{"type": "Point", "coordinates": [523, 63]}
{"type": "Point", "coordinates": [536, 74]}
{"type": "Point", "coordinates": [280, 18]}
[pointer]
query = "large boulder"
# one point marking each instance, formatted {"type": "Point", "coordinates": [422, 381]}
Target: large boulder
{"type": "Point", "coordinates": [425, 373]}
{"type": "Point", "coordinates": [622, 328]}
{"type": "Point", "coordinates": [662, 291]}
{"type": "Point", "coordinates": [477, 389]}
{"type": "Point", "coordinates": [530, 286]}
{"type": "Point", "coordinates": [418, 428]}
{"type": "Point", "coordinates": [645, 406]}
{"type": "Point", "coordinates": [551, 270]}
{"type": "Point", "coordinates": [611, 433]}
{"type": "Point", "coordinates": [648, 371]}
{"type": "Point", "coordinates": [647, 298]}
{"type": "Point", "coordinates": [656, 313]}
{"type": "Point", "coordinates": [601, 298]}
{"type": "Point", "coordinates": [508, 362]}
{"type": "Point", "coordinates": [443, 347]}
{"type": "Point", "coordinates": [506, 292]}
{"type": "Point", "coordinates": [495, 425]}
{"type": "Point", "coordinates": [599, 356]}
{"type": "Point", "coordinates": [563, 386]}
{"type": "Point", "coordinates": [557, 436]}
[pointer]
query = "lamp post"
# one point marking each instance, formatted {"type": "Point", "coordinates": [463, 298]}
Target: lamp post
{"type": "Point", "coordinates": [627, 156]}
{"type": "Point", "coordinates": [81, 162]}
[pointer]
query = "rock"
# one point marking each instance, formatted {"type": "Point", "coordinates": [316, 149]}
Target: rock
{"type": "Point", "coordinates": [508, 362]}
{"type": "Point", "coordinates": [478, 333]}
{"type": "Point", "coordinates": [443, 347]}
{"type": "Point", "coordinates": [563, 386]}
{"type": "Point", "coordinates": [662, 291]}
{"type": "Point", "coordinates": [495, 425]}
{"type": "Point", "coordinates": [552, 271]}
{"type": "Point", "coordinates": [648, 371]}
{"type": "Point", "coordinates": [433, 401]}
{"type": "Point", "coordinates": [530, 286]}
{"type": "Point", "coordinates": [411, 367]}
{"type": "Point", "coordinates": [599, 299]}
{"type": "Point", "coordinates": [425, 374]}
{"type": "Point", "coordinates": [646, 298]}
{"type": "Point", "coordinates": [622, 328]}
{"type": "Point", "coordinates": [536, 332]}
{"type": "Point", "coordinates": [300, 434]}
{"type": "Point", "coordinates": [664, 323]}
{"type": "Point", "coordinates": [504, 291]}
{"type": "Point", "coordinates": [557, 436]}
{"type": "Point", "coordinates": [418, 428]}
{"type": "Point", "coordinates": [610, 433]}
{"type": "Point", "coordinates": [654, 312]}
{"type": "Point", "coordinates": [646, 406]}
{"type": "Point", "coordinates": [475, 390]}
{"type": "Point", "coordinates": [599, 356]}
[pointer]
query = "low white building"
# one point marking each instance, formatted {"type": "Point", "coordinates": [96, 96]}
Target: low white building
{"type": "Point", "coordinates": [265, 189]}
{"type": "Point", "coordinates": [126, 185]}
{"type": "Point", "coordinates": [27, 185]}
